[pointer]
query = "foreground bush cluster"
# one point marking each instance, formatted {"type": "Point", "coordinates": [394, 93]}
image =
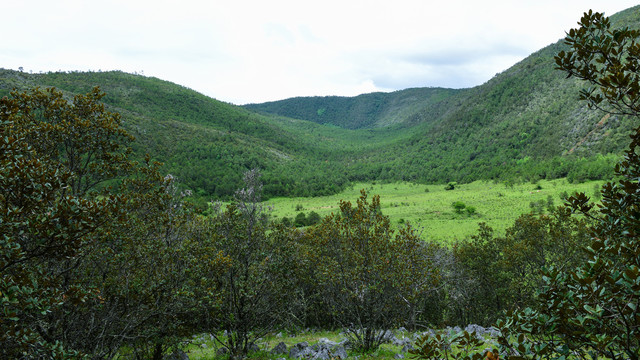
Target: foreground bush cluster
{"type": "Point", "coordinates": [100, 256]}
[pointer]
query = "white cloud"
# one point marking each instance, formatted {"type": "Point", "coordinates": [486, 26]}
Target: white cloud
{"type": "Point", "coordinates": [253, 51]}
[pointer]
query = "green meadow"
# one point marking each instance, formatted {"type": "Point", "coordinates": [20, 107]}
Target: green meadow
{"type": "Point", "coordinates": [430, 207]}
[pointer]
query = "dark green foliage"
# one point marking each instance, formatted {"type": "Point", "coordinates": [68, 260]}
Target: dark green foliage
{"type": "Point", "coordinates": [257, 286]}
{"type": "Point", "coordinates": [313, 218]}
{"type": "Point", "coordinates": [502, 273]}
{"type": "Point", "coordinates": [92, 251]}
{"type": "Point", "coordinates": [366, 275]}
{"type": "Point", "coordinates": [537, 207]}
{"type": "Point", "coordinates": [591, 310]}
{"type": "Point", "coordinates": [361, 112]}
{"type": "Point", "coordinates": [462, 346]}
{"type": "Point", "coordinates": [301, 220]}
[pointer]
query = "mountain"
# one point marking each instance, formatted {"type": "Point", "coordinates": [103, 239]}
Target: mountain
{"type": "Point", "coordinates": [373, 110]}
{"type": "Point", "coordinates": [524, 124]}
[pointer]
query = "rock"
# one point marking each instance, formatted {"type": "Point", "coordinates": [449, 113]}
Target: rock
{"type": "Point", "coordinates": [279, 335]}
{"type": "Point", "coordinates": [339, 352]}
{"type": "Point", "coordinates": [398, 356]}
{"type": "Point", "coordinates": [177, 355]}
{"type": "Point", "coordinates": [387, 336]}
{"type": "Point", "coordinates": [402, 329]}
{"type": "Point", "coordinates": [281, 348]}
{"type": "Point", "coordinates": [300, 350]}
{"type": "Point", "coordinates": [407, 348]}
{"type": "Point", "coordinates": [204, 346]}
{"type": "Point", "coordinates": [327, 342]}
{"type": "Point", "coordinates": [401, 342]}
{"type": "Point", "coordinates": [322, 354]}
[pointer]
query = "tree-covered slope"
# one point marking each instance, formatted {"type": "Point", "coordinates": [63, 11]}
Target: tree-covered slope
{"type": "Point", "coordinates": [373, 110]}
{"type": "Point", "coordinates": [205, 143]}
{"type": "Point", "coordinates": [523, 124]}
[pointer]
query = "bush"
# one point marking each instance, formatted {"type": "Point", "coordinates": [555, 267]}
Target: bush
{"type": "Point", "coordinates": [458, 207]}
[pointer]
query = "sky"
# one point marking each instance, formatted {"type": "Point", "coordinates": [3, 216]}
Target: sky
{"type": "Point", "coordinates": [252, 51]}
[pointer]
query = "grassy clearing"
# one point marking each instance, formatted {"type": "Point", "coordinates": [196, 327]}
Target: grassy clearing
{"type": "Point", "coordinates": [429, 207]}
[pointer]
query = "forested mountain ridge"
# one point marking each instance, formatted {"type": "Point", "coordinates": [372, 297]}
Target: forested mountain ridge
{"type": "Point", "coordinates": [523, 124]}
{"type": "Point", "coordinates": [372, 110]}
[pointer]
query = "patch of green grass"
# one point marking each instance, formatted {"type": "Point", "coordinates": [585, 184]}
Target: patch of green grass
{"type": "Point", "coordinates": [432, 212]}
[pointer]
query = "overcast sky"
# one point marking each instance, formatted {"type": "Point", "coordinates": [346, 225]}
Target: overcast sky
{"type": "Point", "coordinates": [255, 51]}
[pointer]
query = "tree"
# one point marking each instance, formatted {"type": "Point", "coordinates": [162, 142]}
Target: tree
{"type": "Point", "coordinates": [370, 279]}
{"type": "Point", "coordinates": [607, 59]}
{"type": "Point", "coordinates": [94, 247]}
{"type": "Point", "coordinates": [256, 287]}
{"type": "Point", "coordinates": [592, 311]}
{"type": "Point", "coordinates": [51, 159]}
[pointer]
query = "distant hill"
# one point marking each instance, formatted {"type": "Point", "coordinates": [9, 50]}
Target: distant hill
{"type": "Point", "coordinates": [373, 110]}
{"type": "Point", "coordinates": [524, 124]}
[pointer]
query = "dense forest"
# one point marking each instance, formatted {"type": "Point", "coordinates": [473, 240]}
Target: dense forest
{"type": "Point", "coordinates": [103, 257]}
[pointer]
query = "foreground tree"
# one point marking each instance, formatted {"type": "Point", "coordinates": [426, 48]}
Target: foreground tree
{"type": "Point", "coordinates": [94, 248]}
{"type": "Point", "coordinates": [499, 273]}
{"type": "Point", "coordinates": [593, 311]}
{"type": "Point", "coordinates": [256, 288]}
{"type": "Point", "coordinates": [50, 163]}
{"type": "Point", "coordinates": [370, 279]}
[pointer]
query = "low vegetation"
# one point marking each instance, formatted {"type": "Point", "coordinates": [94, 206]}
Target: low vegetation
{"type": "Point", "coordinates": [431, 212]}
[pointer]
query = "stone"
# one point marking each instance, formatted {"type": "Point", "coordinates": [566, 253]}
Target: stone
{"type": "Point", "coordinates": [401, 342]}
{"type": "Point", "coordinates": [300, 350]}
{"type": "Point", "coordinates": [322, 354]}
{"type": "Point", "coordinates": [398, 356]}
{"type": "Point", "coordinates": [339, 352]}
{"type": "Point", "coordinates": [281, 348]}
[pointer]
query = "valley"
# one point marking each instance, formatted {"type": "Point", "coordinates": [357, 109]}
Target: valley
{"type": "Point", "coordinates": [496, 204]}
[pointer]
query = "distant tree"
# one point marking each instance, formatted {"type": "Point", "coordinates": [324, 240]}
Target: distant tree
{"type": "Point", "coordinates": [300, 220]}
{"type": "Point", "coordinates": [313, 218]}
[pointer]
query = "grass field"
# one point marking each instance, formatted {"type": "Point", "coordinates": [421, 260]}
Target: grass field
{"type": "Point", "coordinates": [429, 207]}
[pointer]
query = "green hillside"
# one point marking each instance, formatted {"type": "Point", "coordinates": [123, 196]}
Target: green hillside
{"type": "Point", "coordinates": [524, 124]}
{"type": "Point", "coordinates": [373, 110]}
